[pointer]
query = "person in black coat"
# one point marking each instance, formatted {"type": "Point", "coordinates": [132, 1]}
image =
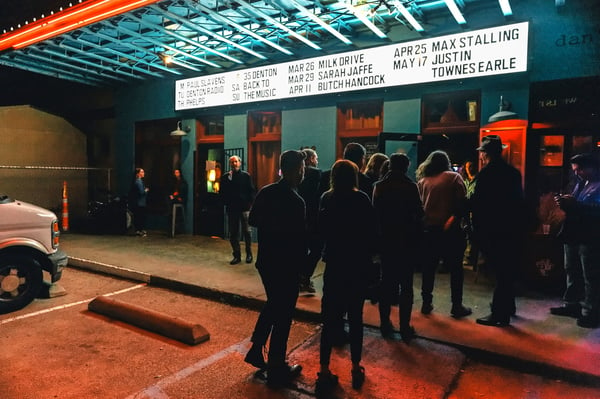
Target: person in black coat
{"type": "Point", "coordinates": [400, 219]}
{"type": "Point", "coordinates": [345, 213]}
{"type": "Point", "coordinates": [279, 214]}
{"type": "Point", "coordinates": [499, 225]}
{"type": "Point", "coordinates": [237, 192]}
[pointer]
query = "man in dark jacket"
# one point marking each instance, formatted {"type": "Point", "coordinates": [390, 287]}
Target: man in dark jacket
{"type": "Point", "coordinates": [499, 225]}
{"type": "Point", "coordinates": [279, 214]}
{"type": "Point", "coordinates": [400, 215]}
{"type": "Point", "coordinates": [237, 192]}
{"type": "Point", "coordinates": [581, 235]}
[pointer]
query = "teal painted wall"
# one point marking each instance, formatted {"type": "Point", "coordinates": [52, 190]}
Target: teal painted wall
{"type": "Point", "coordinates": [236, 133]}
{"type": "Point", "coordinates": [310, 127]}
{"type": "Point", "coordinates": [402, 116]}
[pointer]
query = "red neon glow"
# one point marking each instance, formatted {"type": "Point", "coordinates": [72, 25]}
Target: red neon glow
{"type": "Point", "coordinates": [75, 17]}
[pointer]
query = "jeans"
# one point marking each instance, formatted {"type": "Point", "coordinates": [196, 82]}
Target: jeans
{"type": "Point", "coordinates": [582, 269]}
{"type": "Point", "coordinates": [449, 246]}
{"type": "Point", "coordinates": [237, 219]}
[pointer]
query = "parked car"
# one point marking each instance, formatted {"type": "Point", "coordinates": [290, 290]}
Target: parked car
{"type": "Point", "coordinates": [29, 241]}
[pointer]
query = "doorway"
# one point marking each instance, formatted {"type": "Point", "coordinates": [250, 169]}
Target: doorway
{"type": "Point", "coordinates": [209, 215]}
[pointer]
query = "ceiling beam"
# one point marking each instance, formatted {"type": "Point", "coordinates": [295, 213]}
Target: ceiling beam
{"type": "Point", "coordinates": [167, 47]}
{"type": "Point", "coordinates": [278, 24]}
{"type": "Point", "coordinates": [157, 65]}
{"type": "Point", "coordinates": [188, 23]}
{"type": "Point", "coordinates": [182, 38]}
{"type": "Point", "coordinates": [219, 18]}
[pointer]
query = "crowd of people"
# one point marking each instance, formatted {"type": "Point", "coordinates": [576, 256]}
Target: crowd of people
{"type": "Point", "coordinates": [374, 226]}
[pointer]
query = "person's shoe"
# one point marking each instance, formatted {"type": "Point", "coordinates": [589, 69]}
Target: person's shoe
{"type": "Point", "coordinates": [407, 334]}
{"type": "Point", "coordinates": [249, 258]}
{"type": "Point", "coordinates": [460, 311]}
{"type": "Point", "coordinates": [387, 329]}
{"type": "Point", "coordinates": [493, 321]}
{"type": "Point", "coordinates": [255, 357]}
{"type": "Point", "coordinates": [141, 233]}
{"type": "Point", "coordinates": [326, 382]}
{"type": "Point", "coordinates": [281, 376]}
{"type": "Point", "coordinates": [358, 377]}
{"type": "Point", "coordinates": [426, 308]}
{"type": "Point", "coordinates": [568, 310]}
{"type": "Point", "coordinates": [235, 260]}
{"type": "Point", "coordinates": [588, 321]}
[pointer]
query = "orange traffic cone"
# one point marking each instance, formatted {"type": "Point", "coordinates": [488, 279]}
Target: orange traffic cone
{"type": "Point", "coordinates": [65, 208]}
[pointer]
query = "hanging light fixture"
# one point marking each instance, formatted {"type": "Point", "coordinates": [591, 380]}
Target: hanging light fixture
{"type": "Point", "coordinates": [179, 131]}
{"type": "Point", "coordinates": [503, 113]}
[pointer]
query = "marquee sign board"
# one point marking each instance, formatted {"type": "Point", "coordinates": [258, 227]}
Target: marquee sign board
{"type": "Point", "coordinates": [485, 52]}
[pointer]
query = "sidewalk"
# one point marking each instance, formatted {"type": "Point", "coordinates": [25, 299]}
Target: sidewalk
{"type": "Point", "coordinates": [199, 265]}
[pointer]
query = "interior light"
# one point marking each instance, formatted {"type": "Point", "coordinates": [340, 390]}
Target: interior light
{"type": "Point", "coordinates": [503, 113]}
{"type": "Point", "coordinates": [179, 131]}
{"type": "Point", "coordinates": [322, 23]}
{"type": "Point", "coordinates": [363, 18]}
{"type": "Point", "coordinates": [505, 7]}
{"type": "Point", "coordinates": [408, 16]}
{"type": "Point", "coordinates": [455, 11]}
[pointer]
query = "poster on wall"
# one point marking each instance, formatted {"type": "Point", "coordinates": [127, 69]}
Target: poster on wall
{"type": "Point", "coordinates": [485, 52]}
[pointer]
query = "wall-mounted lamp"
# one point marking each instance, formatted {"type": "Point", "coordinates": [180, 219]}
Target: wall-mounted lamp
{"type": "Point", "coordinates": [503, 113]}
{"type": "Point", "coordinates": [179, 131]}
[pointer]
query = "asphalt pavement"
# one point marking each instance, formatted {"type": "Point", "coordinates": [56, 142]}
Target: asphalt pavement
{"type": "Point", "coordinates": [199, 265]}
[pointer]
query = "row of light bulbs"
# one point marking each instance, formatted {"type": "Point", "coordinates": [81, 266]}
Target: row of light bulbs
{"type": "Point", "coordinates": [34, 19]}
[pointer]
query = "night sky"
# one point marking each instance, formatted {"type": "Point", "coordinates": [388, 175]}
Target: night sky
{"type": "Point", "coordinates": [22, 87]}
{"type": "Point", "coordinates": [14, 12]}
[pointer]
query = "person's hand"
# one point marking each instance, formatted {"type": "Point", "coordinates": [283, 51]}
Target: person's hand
{"type": "Point", "coordinates": [565, 201]}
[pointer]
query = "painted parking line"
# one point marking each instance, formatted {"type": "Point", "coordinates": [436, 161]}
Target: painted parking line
{"type": "Point", "coordinates": [156, 391]}
{"type": "Point", "coordinates": [68, 305]}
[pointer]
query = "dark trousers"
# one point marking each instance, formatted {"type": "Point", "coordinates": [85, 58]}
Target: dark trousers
{"type": "Point", "coordinates": [582, 269]}
{"type": "Point", "coordinates": [237, 219]}
{"type": "Point", "coordinates": [139, 217]}
{"type": "Point", "coordinates": [505, 258]}
{"type": "Point", "coordinates": [449, 247]}
{"type": "Point", "coordinates": [315, 249]}
{"type": "Point", "coordinates": [341, 295]}
{"type": "Point", "coordinates": [397, 271]}
{"type": "Point", "coordinates": [281, 288]}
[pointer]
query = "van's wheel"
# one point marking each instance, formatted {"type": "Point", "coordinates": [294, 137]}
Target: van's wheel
{"type": "Point", "coordinates": [20, 282]}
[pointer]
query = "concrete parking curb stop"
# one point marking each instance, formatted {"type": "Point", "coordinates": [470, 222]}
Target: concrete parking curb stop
{"type": "Point", "coordinates": [161, 323]}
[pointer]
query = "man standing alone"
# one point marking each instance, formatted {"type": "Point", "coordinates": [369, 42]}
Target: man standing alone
{"type": "Point", "coordinates": [237, 192]}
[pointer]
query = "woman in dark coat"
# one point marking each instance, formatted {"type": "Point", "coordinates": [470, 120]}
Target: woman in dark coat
{"type": "Point", "coordinates": [345, 213]}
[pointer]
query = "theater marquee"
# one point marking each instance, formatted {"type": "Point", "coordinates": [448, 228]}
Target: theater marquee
{"type": "Point", "coordinates": [485, 52]}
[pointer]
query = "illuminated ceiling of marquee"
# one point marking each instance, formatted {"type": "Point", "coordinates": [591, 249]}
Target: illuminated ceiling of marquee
{"type": "Point", "coordinates": [117, 42]}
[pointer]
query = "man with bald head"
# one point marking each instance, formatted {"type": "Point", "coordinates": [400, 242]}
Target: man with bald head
{"type": "Point", "coordinates": [237, 192]}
